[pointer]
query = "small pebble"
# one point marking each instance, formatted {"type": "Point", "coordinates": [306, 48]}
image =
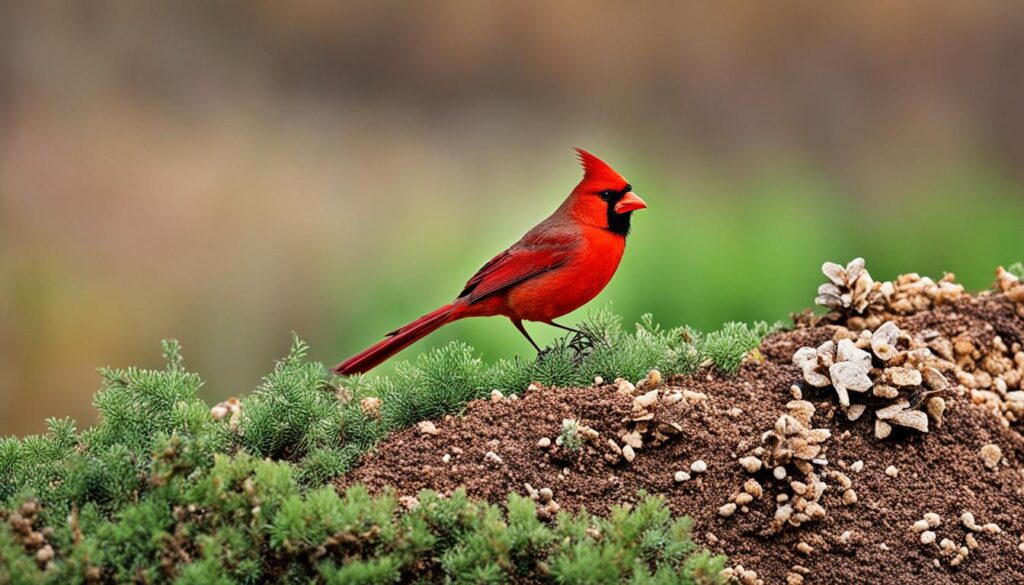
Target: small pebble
{"type": "Point", "coordinates": [598, 380]}
{"type": "Point", "coordinates": [727, 510]}
{"type": "Point", "coordinates": [446, 457]}
{"type": "Point", "coordinates": [493, 457]}
{"type": "Point", "coordinates": [933, 519]}
{"type": "Point", "coordinates": [544, 443]}
{"type": "Point", "coordinates": [624, 386]}
{"type": "Point", "coordinates": [967, 519]}
{"type": "Point", "coordinates": [990, 455]}
{"type": "Point", "coordinates": [427, 427]}
{"type": "Point", "coordinates": [496, 395]}
{"type": "Point", "coordinates": [699, 466]}
{"type": "Point", "coordinates": [891, 471]}
{"type": "Point", "coordinates": [857, 466]}
{"type": "Point", "coordinates": [883, 546]}
{"type": "Point", "coordinates": [628, 453]}
{"type": "Point", "coordinates": [779, 473]}
{"type": "Point", "coordinates": [751, 464]}
{"type": "Point", "coordinates": [804, 548]}
{"type": "Point", "coordinates": [920, 526]}
{"type": "Point", "coordinates": [849, 497]}
{"type": "Point", "coordinates": [927, 537]}
{"type": "Point", "coordinates": [681, 476]}
{"type": "Point", "coordinates": [752, 487]}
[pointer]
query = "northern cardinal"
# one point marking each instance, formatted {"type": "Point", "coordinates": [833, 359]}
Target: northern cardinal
{"type": "Point", "coordinates": [557, 267]}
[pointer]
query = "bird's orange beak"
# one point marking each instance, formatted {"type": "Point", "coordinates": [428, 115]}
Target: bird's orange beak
{"type": "Point", "coordinates": [629, 202]}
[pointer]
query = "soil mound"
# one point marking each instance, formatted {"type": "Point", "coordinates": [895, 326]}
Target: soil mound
{"type": "Point", "coordinates": [946, 506]}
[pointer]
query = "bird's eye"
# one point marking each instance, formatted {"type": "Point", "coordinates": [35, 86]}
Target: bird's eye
{"type": "Point", "coordinates": [607, 194]}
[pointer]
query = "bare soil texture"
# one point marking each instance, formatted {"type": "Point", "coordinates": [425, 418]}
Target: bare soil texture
{"type": "Point", "coordinates": [723, 417]}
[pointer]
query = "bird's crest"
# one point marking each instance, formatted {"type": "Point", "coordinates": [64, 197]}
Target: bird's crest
{"type": "Point", "coordinates": [595, 168]}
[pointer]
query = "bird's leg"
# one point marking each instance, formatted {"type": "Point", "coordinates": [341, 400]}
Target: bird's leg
{"type": "Point", "coordinates": [519, 326]}
{"type": "Point", "coordinates": [576, 331]}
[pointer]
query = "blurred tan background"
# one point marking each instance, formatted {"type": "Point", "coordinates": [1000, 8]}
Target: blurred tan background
{"type": "Point", "coordinates": [226, 173]}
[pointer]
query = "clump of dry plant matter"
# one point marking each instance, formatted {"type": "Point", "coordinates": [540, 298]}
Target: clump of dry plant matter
{"type": "Point", "coordinates": [989, 369]}
{"type": "Point", "coordinates": [850, 288]}
{"type": "Point", "coordinates": [791, 456]}
{"type": "Point", "coordinates": [647, 425]}
{"type": "Point", "coordinates": [901, 373]}
{"type": "Point", "coordinates": [1010, 284]}
{"type": "Point", "coordinates": [864, 303]}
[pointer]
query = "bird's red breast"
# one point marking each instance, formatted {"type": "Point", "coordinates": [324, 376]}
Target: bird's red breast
{"type": "Point", "coordinates": [566, 260]}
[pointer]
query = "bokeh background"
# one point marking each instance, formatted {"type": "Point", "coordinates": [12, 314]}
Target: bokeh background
{"type": "Point", "coordinates": [227, 172]}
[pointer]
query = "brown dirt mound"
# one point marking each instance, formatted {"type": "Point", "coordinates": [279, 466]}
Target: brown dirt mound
{"type": "Point", "coordinates": [939, 472]}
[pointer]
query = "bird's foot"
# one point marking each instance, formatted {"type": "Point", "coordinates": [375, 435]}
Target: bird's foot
{"type": "Point", "coordinates": [582, 342]}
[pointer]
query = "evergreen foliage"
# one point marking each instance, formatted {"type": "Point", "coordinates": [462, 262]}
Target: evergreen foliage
{"type": "Point", "coordinates": [249, 520]}
{"type": "Point", "coordinates": [160, 491]}
{"type": "Point", "coordinates": [1017, 269]}
{"type": "Point", "coordinates": [570, 437]}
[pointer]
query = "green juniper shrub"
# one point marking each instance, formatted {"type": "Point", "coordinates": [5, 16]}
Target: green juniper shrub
{"type": "Point", "coordinates": [160, 491]}
{"type": "Point", "coordinates": [1017, 269]}
{"type": "Point", "coordinates": [727, 347]}
{"type": "Point", "coordinates": [570, 437]}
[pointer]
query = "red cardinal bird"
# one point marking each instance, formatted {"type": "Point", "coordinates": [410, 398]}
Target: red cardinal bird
{"type": "Point", "coordinates": [556, 268]}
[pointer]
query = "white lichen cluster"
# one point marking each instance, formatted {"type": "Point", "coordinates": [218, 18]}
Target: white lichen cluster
{"type": "Point", "coordinates": [850, 288]}
{"type": "Point", "coordinates": [887, 364]}
{"type": "Point", "coordinates": [1010, 285]}
{"type": "Point", "coordinates": [990, 370]}
{"type": "Point", "coordinates": [648, 424]}
{"type": "Point", "coordinates": [792, 455]}
{"type": "Point", "coordinates": [852, 293]}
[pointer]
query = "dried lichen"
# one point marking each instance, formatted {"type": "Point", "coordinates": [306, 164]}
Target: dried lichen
{"type": "Point", "coordinates": [646, 426]}
{"type": "Point", "coordinates": [1010, 285]}
{"type": "Point", "coordinates": [852, 294]}
{"type": "Point", "coordinates": [849, 289]}
{"type": "Point", "coordinates": [901, 373]}
{"type": "Point", "coordinates": [792, 456]}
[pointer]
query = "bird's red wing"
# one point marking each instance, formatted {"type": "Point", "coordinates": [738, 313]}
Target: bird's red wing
{"type": "Point", "coordinates": [517, 264]}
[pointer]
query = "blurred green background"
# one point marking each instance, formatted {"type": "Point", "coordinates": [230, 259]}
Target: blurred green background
{"type": "Point", "coordinates": [226, 173]}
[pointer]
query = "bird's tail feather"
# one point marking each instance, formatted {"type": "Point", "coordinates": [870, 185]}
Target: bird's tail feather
{"type": "Point", "coordinates": [397, 340]}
